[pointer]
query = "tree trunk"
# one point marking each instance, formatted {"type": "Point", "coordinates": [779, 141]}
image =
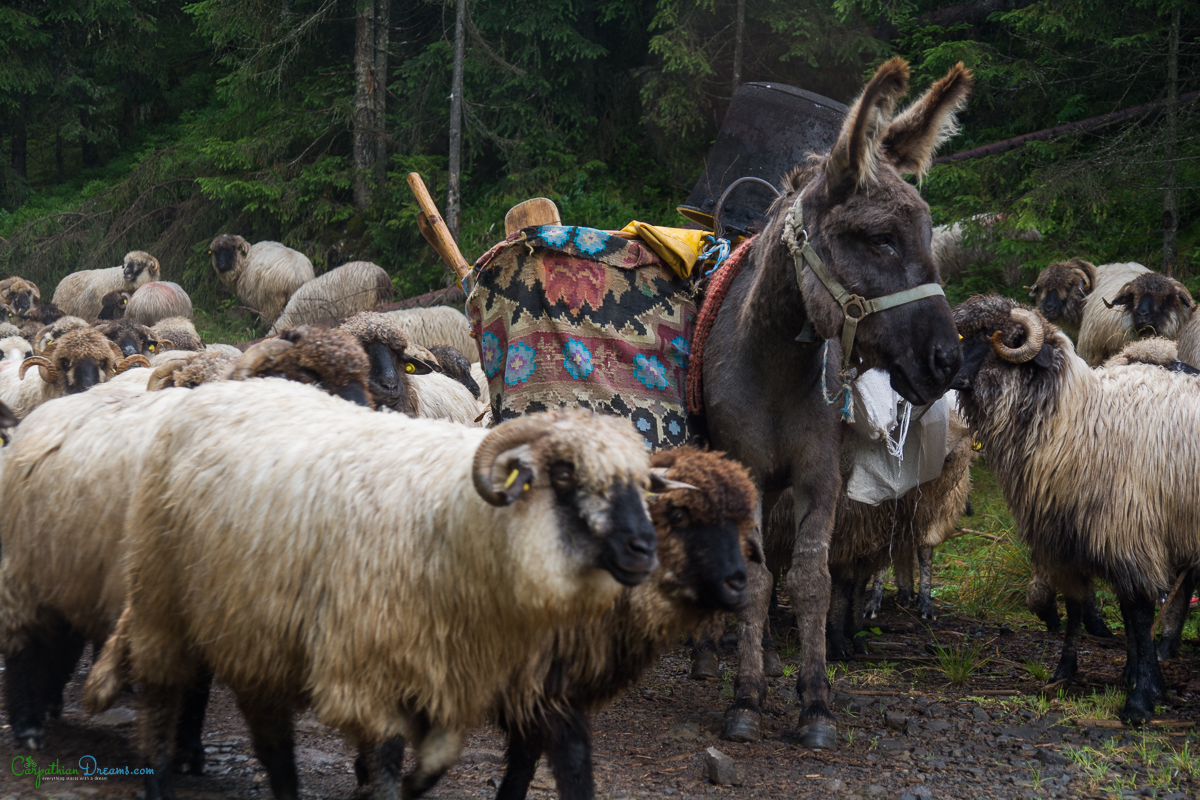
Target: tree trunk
{"type": "Point", "coordinates": [454, 195]}
{"type": "Point", "coordinates": [739, 34]}
{"type": "Point", "coordinates": [20, 140]}
{"type": "Point", "coordinates": [364, 104]}
{"type": "Point", "coordinates": [383, 23]}
{"type": "Point", "coordinates": [1170, 199]}
{"type": "Point", "coordinates": [58, 155]}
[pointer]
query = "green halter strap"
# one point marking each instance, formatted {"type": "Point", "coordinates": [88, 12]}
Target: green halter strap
{"type": "Point", "coordinates": [854, 306]}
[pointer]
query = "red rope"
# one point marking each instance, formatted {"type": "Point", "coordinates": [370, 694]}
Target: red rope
{"type": "Point", "coordinates": [714, 296]}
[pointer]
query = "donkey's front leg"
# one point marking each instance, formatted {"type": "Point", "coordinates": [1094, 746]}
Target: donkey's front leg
{"type": "Point", "coordinates": [808, 584]}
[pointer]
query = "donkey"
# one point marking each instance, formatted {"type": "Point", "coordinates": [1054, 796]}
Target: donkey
{"type": "Point", "coordinates": [764, 379]}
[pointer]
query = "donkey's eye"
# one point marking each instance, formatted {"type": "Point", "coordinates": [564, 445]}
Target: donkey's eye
{"type": "Point", "coordinates": [881, 240]}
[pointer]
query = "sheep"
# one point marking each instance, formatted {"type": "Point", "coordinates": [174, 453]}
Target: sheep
{"type": "Point", "coordinates": [80, 294]}
{"type": "Point", "coordinates": [179, 331]}
{"type": "Point", "coordinates": [865, 536]}
{"type": "Point", "coordinates": [952, 258]}
{"type": "Point", "coordinates": [37, 318]}
{"type": "Point", "coordinates": [43, 622]}
{"type": "Point", "coordinates": [455, 365]}
{"type": "Point", "coordinates": [390, 612]}
{"type": "Point", "coordinates": [438, 325]}
{"type": "Point", "coordinates": [55, 331]}
{"type": "Point", "coordinates": [1129, 302]}
{"type": "Point", "coordinates": [1189, 342]}
{"type": "Point", "coordinates": [8, 421]}
{"type": "Point", "coordinates": [392, 365]}
{"type": "Point", "coordinates": [348, 289]}
{"type": "Point", "coordinates": [130, 337]}
{"type": "Point", "coordinates": [112, 305]}
{"type": "Point", "coordinates": [1061, 290]}
{"type": "Point", "coordinates": [1114, 499]}
{"type": "Point", "coordinates": [15, 349]}
{"type": "Point", "coordinates": [218, 347]}
{"type": "Point", "coordinates": [19, 293]}
{"type": "Point", "coordinates": [263, 276]}
{"type": "Point", "coordinates": [703, 538]}
{"type": "Point", "coordinates": [158, 300]}
{"type": "Point", "coordinates": [76, 362]}
{"type": "Point", "coordinates": [439, 396]}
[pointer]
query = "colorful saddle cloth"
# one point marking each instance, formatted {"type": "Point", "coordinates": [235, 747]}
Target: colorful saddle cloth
{"type": "Point", "coordinates": [572, 316]}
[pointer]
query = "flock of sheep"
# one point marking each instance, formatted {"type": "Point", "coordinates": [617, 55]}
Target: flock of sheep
{"type": "Point", "coordinates": [367, 546]}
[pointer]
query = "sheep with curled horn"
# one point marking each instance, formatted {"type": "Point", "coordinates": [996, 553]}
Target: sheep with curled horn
{"type": "Point", "coordinates": [263, 276]}
{"type": "Point", "coordinates": [76, 362]}
{"type": "Point", "coordinates": [1061, 291]}
{"type": "Point", "coordinates": [112, 306]}
{"type": "Point", "coordinates": [851, 213]}
{"type": "Point", "coordinates": [71, 449]}
{"type": "Point", "coordinates": [1130, 302]}
{"type": "Point", "coordinates": [81, 294]}
{"type": "Point", "coordinates": [705, 528]}
{"type": "Point", "coordinates": [179, 331]}
{"type": "Point", "coordinates": [438, 325]}
{"type": "Point", "coordinates": [19, 293]}
{"type": "Point", "coordinates": [156, 301]}
{"type": "Point", "coordinates": [341, 292]}
{"type": "Point", "coordinates": [1113, 499]}
{"type": "Point", "coordinates": [131, 337]}
{"type": "Point", "coordinates": [500, 560]}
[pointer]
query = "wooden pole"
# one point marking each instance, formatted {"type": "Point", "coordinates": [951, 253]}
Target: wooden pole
{"type": "Point", "coordinates": [443, 242]}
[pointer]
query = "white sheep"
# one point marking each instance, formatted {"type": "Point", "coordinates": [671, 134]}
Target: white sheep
{"type": "Point", "coordinates": [379, 567]}
{"type": "Point", "coordinates": [156, 301]}
{"type": "Point", "coordinates": [439, 396]}
{"type": "Point", "coordinates": [81, 294]}
{"type": "Point", "coordinates": [348, 289]}
{"type": "Point", "coordinates": [264, 276]}
{"type": "Point", "coordinates": [438, 325]}
{"type": "Point", "coordinates": [1101, 331]}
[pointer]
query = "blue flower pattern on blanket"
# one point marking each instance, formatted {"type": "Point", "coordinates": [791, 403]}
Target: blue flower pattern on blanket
{"type": "Point", "coordinates": [577, 359]}
{"type": "Point", "coordinates": [650, 371]}
{"type": "Point", "coordinates": [521, 364]}
{"type": "Point", "coordinates": [492, 355]}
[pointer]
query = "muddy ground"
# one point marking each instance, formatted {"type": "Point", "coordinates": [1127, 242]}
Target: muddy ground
{"type": "Point", "coordinates": [906, 732]}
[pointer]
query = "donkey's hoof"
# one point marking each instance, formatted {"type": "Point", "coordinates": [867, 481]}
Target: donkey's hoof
{"type": "Point", "coordinates": [33, 738]}
{"type": "Point", "coordinates": [1096, 627]}
{"type": "Point", "coordinates": [704, 666]}
{"type": "Point", "coordinates": [817, 734]}
{"type": "Point", "coordinates": [742, 726]}
{"type": "Point", "coordinates": [772, 666]}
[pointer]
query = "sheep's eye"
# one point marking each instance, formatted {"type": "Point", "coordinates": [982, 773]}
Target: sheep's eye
{"type": "Point", "coordinates": [64, 364]}
{"type": "Point", "coordinates": [410, 368]}
{"type": "Point", "coordinates": [677, 517]}
{"type": "Point", "coordinates": [562, 476]}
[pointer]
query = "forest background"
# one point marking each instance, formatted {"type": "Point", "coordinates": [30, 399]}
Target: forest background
{"type": "Point", "coordinates": [157, 124]}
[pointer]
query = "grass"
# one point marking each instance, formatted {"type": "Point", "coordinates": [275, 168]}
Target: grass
{"type": "Point", "coordinates": [1037, 670]}
{"type": "Point", "coordinates": [1152, 759]}
{"type": "Point", "coordinates": [960, 661]}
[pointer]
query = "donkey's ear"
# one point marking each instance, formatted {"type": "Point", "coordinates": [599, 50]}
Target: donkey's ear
{"type": "Point", "coordinates": [854, 156]}
{"type": "Point", "coordinates": [911, 138]}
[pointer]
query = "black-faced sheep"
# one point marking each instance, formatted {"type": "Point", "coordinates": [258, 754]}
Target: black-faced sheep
{"type": "Point", "coordinates": [392, 366]}
{"type": "Point", "coordinates": [76, 362]}
{"type": "Point", "coordinates": [390, 612]}
{"type": "Point", "coordinates": [1114, 499]}
{"type": "Point", "coordinates": [1061, 291]}
{"type": "Point", "coordinates": [1128, 303]}
{"type": "Point", "coordinates": [131, 337]}
{"type": "Point", "coordinates": [112, 305]}
{"type": "Point", "coordinates": [156, 301]}
{"type": "Point", "coordinates": [38, 317]}
{"type": "Point", "coordinates": [341, 292]}
{"type": "Point", "coordinates": [180, 332]}
{"type": "Point", "coordinates": [263, 276]}
{"type": "Point", "coordinates": [703, 539]}
{"type": "Point", "coordinates": [81, 294]}
{"type": "Point", "coordinates": [44, 621]}
{"type": "Point", "coordinates": [438, 325]}
{"type": "Point", "coordinates": [19, 293]}
{"type": "Point", "coordinates": [455, 365]}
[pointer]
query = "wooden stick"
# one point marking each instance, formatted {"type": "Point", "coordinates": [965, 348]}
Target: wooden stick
{"type": "Point", "coordinates": [444, 242]}
{"type": "Point", "coordinates": [1158, 617]}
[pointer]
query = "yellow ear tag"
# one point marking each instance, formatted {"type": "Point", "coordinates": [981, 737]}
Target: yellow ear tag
{"type": "Point", "coordinates": [960, 337]}
{"type": "Point", "coordinates": [976, 446]}
{"type": "Point", "coordinates": [410, 368]}
{"type": "Point", "coordinates": [151, 348]}
{"type": "Point", "coordinates": [512, 478]}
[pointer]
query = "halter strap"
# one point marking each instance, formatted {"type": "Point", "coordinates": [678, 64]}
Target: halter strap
{"type": "Point", "coordinates": [854, 307]}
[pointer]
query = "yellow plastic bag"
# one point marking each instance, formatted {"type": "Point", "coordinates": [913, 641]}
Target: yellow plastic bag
{"type": "Point", "coordinates": [679, 247]}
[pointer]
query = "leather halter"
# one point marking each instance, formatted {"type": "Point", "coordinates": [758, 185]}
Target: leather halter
{"type": "Point", "coordinates": [854, 307]}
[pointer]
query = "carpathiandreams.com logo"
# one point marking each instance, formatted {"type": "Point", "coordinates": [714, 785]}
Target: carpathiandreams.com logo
{"type": "Point", "coordinates": [87, 770]}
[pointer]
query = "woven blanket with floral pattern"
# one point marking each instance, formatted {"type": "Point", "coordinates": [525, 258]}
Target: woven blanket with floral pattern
{"type": "Point", "coordinates": [571, 316]}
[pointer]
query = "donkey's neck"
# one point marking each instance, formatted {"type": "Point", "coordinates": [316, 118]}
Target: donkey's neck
{"type": "Point", "coordinates": [773, 307]}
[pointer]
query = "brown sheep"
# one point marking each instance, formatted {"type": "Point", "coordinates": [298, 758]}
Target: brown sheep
{"type": "Point", "coordinates": [131, 337]}
{"type": "Point", "coordinates": [180, 332]}
{"type": "Point", "coordinates": [19, 293]}
{"type": "Point", "coordinates": [1060, 292]}
{"type": "Point", "coordinates": [112, 306]}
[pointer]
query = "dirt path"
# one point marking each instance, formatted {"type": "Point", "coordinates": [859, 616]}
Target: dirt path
{"type": "Point", "coordinates": [906, 734]}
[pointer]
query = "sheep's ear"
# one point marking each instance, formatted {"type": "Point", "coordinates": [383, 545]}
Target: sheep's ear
{"type": "Point", "coordinates": [1184, 295]}
{"type": "Point", "coordinates": [1045, 356]}
{"type": "Point", "coordinates": [756, 552]}
{"type": "Point", "coordinates": [855, 154]}
{"type": "Point", "coordinates": [416, 366]}
{"type": "Point", "coordinates": [912, 138]}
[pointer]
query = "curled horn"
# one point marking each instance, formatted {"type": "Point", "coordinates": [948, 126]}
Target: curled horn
{"type": "Point", "coordinates": [1084, 279]}
{"type": "Point", "coordinates": [48, 370]}
{"type": "Point", "coordinates": [161, 377]}
{"type": "Point", "coordinates": [252, 360]}
{"type": "Point", "coordinates": [135, 360]}
{"type": "Point", "coordinates": [1106, 303]}
{"type": "Point", "coordinates": [507, 436]}
{"type": "Point", "coordinates": [1034, 336]}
